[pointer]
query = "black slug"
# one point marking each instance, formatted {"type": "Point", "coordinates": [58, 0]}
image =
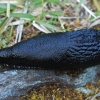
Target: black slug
{"type": "Point", "coordinates": [69, 50]}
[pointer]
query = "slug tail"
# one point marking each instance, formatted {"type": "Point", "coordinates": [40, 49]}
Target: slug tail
{"type": "Point", "coordinates": [5, 54]}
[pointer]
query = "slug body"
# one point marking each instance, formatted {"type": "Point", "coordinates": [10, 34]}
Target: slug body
{"type": "Point", "coordinates": [69, 50]}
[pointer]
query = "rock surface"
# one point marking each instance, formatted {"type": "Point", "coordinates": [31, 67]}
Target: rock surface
{"type": "Point", "coordinates": [14, 83]}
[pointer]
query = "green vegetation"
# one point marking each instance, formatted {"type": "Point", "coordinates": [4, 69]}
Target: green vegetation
{"type": "Point", "coordinates": [48, 15]}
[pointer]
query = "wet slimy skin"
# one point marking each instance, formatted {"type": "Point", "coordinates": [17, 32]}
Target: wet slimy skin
{"type": "Point", "coordinates": [69, 50]}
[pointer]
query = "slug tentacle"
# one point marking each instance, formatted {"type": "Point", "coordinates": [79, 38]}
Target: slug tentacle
{"type": "Point", "coordinates": [69, 50]}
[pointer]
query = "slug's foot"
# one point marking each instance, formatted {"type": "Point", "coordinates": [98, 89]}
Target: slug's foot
{"type": "Point", "coordinates": [4, 67]}
{"type": "Point", "coordinates": [11, 67]}
{"type": "Point", "coordinates": [72, 73]}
